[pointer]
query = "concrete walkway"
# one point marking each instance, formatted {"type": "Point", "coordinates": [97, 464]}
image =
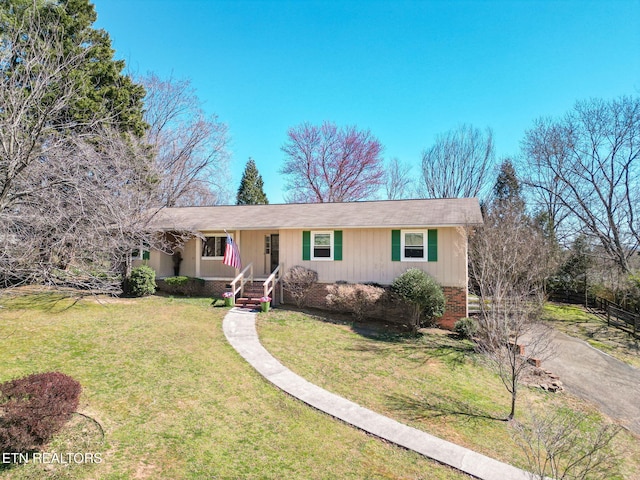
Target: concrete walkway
{"type": "Point", "coordinates": [240, 329]}
{"type": "Point", "coordinates": [613, 386]}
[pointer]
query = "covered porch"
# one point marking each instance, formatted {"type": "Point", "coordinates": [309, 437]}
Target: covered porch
{"type": "Point", "coordinates": [203, 257]}
{"type": "Point", "coordinates": [260, 248]}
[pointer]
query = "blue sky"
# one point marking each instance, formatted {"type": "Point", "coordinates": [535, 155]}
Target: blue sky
{"type": "Point", "coordinates": [406, 70]}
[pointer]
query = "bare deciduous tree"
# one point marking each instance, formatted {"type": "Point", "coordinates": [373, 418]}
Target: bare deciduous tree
{"type": "Point", "coordinates": [547, 189]}
{"type": "Point", "coordinates": [562, 446]}
{"type": "Point", "coordinates": [190, 149]}
{"type": "Point", "coordinates": [328, 164]}
{"type": "Point", "coordinates": [508, 268]}
{"type": "Point", "coordinates": [458, 163]}
{"type": "Point", "coordinates": [398, 180]}
{"type": "Point", "coordinates": [79, 228]}
{"type": "Point", "coordinates": [72, 205]}
{"type": "Point", "coordinates": [589, 164]}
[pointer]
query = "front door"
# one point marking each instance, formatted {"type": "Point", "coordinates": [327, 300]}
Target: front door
{"type": "Point", "coordinates": [275, 252]}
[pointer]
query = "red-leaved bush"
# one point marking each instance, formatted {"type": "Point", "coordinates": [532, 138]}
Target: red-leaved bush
{"type": "Point", "coordinates": [299, 281]}
{"type": "Point", "coordinates": [358, 299]}
{"type": "Point", "coordinates": [34, 408]}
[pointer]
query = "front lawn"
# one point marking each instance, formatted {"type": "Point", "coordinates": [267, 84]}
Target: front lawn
{"type": "Point", "coordinates": [435, 383]}
{"type": "Point", "coordinates": [175, 400]}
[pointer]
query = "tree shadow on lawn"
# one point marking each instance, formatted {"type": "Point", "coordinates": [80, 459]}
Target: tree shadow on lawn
{"type": "Point", "coordinates": [54, 301]}
{"type": "Point", "coordinates": [592, 327]}
{"type": "Point", "coordinates": [619, 336]}
{"type": "Point", "coordinates": [389, 338]}
{"type": "Point", "coordinates": [444, 346]}
{"type": "Point", "coordinates": [370, 328]}
{"type": "Point", "coordinates": [437, 405]}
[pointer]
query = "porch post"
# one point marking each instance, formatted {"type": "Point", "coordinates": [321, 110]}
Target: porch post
{"type": "Point", "coordinates": [239, 244]}
{"type": "Point", "coordinates": [198, 255]}
{"type": "Point", "coordinates": [281, 288]}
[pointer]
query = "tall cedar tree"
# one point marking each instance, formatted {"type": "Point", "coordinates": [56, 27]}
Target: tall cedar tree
{"type": "Point", "coordinates": [507, 189]}
{"type": "Point", "coordinates": [251, 190]}
{"type": "Point", "coordinates": [76, 182]}
{"type": "Point", "coordinates": [104, 92]}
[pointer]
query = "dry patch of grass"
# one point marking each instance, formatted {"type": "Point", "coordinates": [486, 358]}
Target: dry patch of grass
{"type": "Point", "coordinates": [435, 382]}
{"type": "Point", "coordinates": [175, 401]}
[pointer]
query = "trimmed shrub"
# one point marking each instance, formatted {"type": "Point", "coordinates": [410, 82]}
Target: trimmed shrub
{"type": "Point", "coordinates": [34, 408]}
{"type": "Point", "coordinates": [184, 285]}
{"type": "Point", "coordinates": [422, 293]}
{"type": "Point", "coordinates": [141, 282]}
{"type": "Point", "coordinates": [466, 327]}
{"type": "Point", "coordinates": [357, 299]}
{"type": "Point", "coordinates": [298, 281]}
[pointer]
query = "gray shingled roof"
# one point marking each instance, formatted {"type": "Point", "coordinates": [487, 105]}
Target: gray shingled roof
{"type": "Point", "coordinates": [372, 214]}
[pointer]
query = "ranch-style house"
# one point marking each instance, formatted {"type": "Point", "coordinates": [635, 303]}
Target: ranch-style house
{"type": "Point", "coordinates": [356, 242]}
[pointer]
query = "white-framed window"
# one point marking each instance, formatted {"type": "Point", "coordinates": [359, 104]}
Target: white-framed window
{"type": "Point", "coordinates": [141, 253]}
{"type": "Point", "coordinates": [213, 247]}
{"type": "Point", "coordinates": [322, 245]}
{"type": "Point", "coordinates": [414, 245]}
{"type": "Point", "coordinates": [267, 244]}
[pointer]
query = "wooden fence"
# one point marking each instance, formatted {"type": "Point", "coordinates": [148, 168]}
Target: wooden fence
{"type": "Point", "coordinates": [574, 298]}
{"type": "Point", "coordinates": [617, 315]}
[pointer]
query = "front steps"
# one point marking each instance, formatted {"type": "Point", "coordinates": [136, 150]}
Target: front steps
{"type": "Point", "coordinates": [252, 295]}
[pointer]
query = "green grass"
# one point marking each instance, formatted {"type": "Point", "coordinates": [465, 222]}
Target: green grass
{"type": "Point", "coordinates": [567, 313]}
{"type": "Point", "coordinates": [435, 383]}
{"type": "Point", "coordinates": [176, 401]}
{"type": "Point", "coordinates": [575, 321]}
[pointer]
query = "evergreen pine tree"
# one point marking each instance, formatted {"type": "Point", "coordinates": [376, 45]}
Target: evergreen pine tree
{"type": "Point", "coordinates": [507, 185]}
{"type": "Point", "coordinates": [251, 190]}
{"type": "Point", "coordinates": [507, 190]}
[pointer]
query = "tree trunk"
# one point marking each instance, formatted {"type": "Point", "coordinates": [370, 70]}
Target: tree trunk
{"type": "Point", "coordinates": [513, 406]}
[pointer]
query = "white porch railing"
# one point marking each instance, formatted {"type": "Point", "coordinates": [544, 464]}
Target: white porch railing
{"type": "Point", "coordinates": [242, 279]}
{"type": "Point", "coordinates": [271, 282]}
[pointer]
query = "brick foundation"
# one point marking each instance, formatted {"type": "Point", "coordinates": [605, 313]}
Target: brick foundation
{"type": "Point", "coordinates": [394, 311]}
{"type": "Point", "coordinates": [211, 288]}
{"type": "Point", "coordinates": [455, 308]}
{"type": "Point", "coordinates": [387, 310]}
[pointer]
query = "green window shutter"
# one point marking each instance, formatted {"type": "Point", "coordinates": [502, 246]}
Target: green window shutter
{"type": "Point", "coordinates": [395, 245]}
{"type": "Point", "coordinates": [337, 245]}
{"type": "Point", "coordinates": [432, 245]}
{"type": "Point", "coordinates": [306, 245]}
{"type": "Point", "coordinates": [146, 255]}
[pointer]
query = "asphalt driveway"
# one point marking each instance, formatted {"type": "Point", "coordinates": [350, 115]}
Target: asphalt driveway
{"type": "Point", "coordinates": [613, 386]}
